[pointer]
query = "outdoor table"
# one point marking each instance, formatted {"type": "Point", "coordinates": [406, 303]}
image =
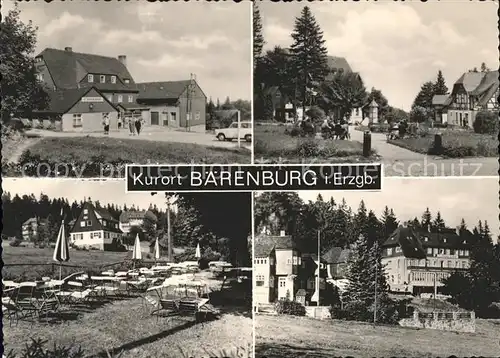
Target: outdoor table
{"type": "Point", "coordinates": [121, 273]}
{"type": "Point", "coordinates": [107, 273]}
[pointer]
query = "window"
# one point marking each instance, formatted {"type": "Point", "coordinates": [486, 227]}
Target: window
{"type": "Point", "coordinates": [130, 99]}
{"type": "Point", "coordinates": [466, 252]}
{"type": "Point", "coordinates": [104, 222]}
{"type": "Point", "coordinates": [449, 264]}
{"type": "Point", "coordinates": [77, 120]}
{"type": "Point", "coordinates": [89, 223]}
{"type": "Point", "coordinates": [460, 252]}
{"type": "Point", "coordinates": [398, 249]}
{"type": "Point", "coordinates": [85, 211]}
{"type": "Point", "coordinates": [282, 282]}
{"type": "Point", "coordinates": [295, 260]}
{"type": "Point", "coordinates": [233, 125]}
{"type": "Point", "coordinates": [389, 251]}
{"type": "Point", "coordinates": [288, 261]}
{"type": "Point", "coordinates": [113, 79]}
{"type": "Point", "coordinates": [90, 78]}
{"type": "Point", "coordinates": [245, 125]}
{"type": "Point", "coordinates": [38, 59]}
{"type": "Point", "coordinates": [82, 223]}
{"type": "Point", "coordinates": [102, 79]}
{"type": "Point", "coordinates": [259, 280]}
{"type": "Point", "coordinates": [429, 250]}
{"type": "Point", "coordinates": [173, 116]}
{"type": "Point", "coordinates": [126, 81]}
{"type": "Point", "coordinates": [39, 77]}
{"type": "Point", "coordinates": [357, 111]}
{"type": "Point", "coordinates": [447, 251]}
{"type": "Point", "coordinates": [120, 98]}
{"type": "Point", "coordinates": [106, 235]}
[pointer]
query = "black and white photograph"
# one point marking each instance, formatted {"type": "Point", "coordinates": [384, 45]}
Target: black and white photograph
{"type": "Point", "coordinates": [410, 271]}
{"type": "Point", "coordinates": [413, 85]}
{"type": "Point", "coordinates": [111, 84]}
{"type": "Point", "coordinates": [89, 271]}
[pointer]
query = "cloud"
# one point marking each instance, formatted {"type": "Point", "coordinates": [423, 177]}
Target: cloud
{"type": "Point", "coordinates": [200, 42]}
{"type": "Point", "coordinates": [65, 22]}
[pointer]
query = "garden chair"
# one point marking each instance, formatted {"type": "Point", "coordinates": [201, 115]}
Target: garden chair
{"type": "Point", "coordinates": [85, 296]}
{"type": "Point", "coordinates": [25, 299]}
{"type": "Point", "coordinates": [10, 310]}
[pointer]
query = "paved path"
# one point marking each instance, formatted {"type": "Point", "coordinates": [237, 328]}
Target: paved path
{"type": "Point", "coordinates": [399, 161]}
{"type": "Point", "coordinates": [149, 134]}
{"type": "Point", "coordinates": [20, 147]}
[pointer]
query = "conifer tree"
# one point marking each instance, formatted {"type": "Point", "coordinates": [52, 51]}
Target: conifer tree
{"type": "Point", "coordinates": [440, 85]}
{"type": "Point", "coordinates": [438, 222]}
{"type": "Point", "coordinates": [309, 54]}
{"type": "Point", "coordinates": [426, 219]}
{"type": "Point", "coordinates": [258, 38]}
{"type": "Point", "coordinates": [389, 222]}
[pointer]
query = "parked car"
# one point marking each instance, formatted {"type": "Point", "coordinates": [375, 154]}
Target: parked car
{"type": "Point", "coordinates": [231, 132]}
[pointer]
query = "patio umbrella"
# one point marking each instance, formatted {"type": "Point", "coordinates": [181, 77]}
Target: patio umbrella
{"type": "Point", "coordinates": [157, 250]}
{"type": "Point", "coordinates": [136, 251]}
{"type": "Point", "coordinates": [61, 251]}
{"type": "Point", "coordinates": [198, 251]}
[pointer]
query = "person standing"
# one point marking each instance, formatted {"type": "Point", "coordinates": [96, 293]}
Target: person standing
{"type": "Point", "coordinates": [106, 124]}
{"type": "Point", "coordinates": [138, 124]}
{"type": "Point", "coordinates": [131, 126]}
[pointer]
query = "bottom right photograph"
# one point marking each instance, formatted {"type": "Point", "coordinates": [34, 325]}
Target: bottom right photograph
{"type": "Point", "coordinates": [412, 270]}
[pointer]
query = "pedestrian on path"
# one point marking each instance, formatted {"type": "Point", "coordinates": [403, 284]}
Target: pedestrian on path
{"type": "Point", "coordinates": [131, 126]}
{"type": "Point", "coordinates": [138, 124]}
{"type": "Point", "coordinates": [106, 123]}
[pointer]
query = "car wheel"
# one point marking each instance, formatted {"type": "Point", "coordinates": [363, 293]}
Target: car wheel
{"type": "Point", "coordinates": [221, 137]}
{"type": "Point", "coordinates": [248, 137]}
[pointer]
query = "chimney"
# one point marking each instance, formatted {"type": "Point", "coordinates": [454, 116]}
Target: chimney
{"type": "Point", "coordinates": [282, 233]}
{"type": "Point", "coordinates": [458, 231]}
{"type": "Point", "coordinates": [428, 227]}
{"type": "Point", "coordinates": [123, 60]}
{"type": "Point", "coordinates": [68, 49]}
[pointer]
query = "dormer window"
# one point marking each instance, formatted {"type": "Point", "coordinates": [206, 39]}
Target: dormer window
{"type": "Point", "coordinates": [120, 98]}
{"type": "Point", "coordinates": [90, 78]}
{"type": "Point", "coordinates": [102, 79]}
{"type": "Point", "coordinates": [38, 59]}
{"type": "Point", "coordinates": [130, 99]}
{"type": "Point", "coordinates": [126, 80]}
{"type": "Point", "coordinates": [426, 239]}
{"type": "Point", "coordinates": [444, 240]}
{"type": "Point", "coordinates": [113, 79]}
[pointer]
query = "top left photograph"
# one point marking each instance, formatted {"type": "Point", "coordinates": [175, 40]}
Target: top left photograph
{"type": "Point", "coordinates": [88, 88]}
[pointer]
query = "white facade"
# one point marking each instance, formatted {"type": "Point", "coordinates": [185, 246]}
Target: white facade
{"type": "Point", "coordinates": [125, 226]}
{"type": "Point", "coordinates": [95, 239]}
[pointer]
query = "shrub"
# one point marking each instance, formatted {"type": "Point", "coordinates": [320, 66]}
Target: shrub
{"type": "Point", "coordinates": [294, 132]}
{"type": "Point", "coordinates": [290, 308]}
{"type": "Point", "coordinates": [379, 128]}
{"type": "Point", "coordinates": [37, 348]}
{"type": "Point", "coordinates": [486, 122]}
{"type": "Point", "coordinates": [308, 148]}
{"type": "Point", "coordinates": [388, 311]}
{"type": "Point", "coordinates": [16, 242]}
{"type": "Point", "coordinates": [315, 113]}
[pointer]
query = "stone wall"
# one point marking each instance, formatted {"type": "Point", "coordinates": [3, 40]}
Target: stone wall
{"type": "Point", "coordinates": [321, 312]}
{"type": "Point", "coordinates": [446, 321]}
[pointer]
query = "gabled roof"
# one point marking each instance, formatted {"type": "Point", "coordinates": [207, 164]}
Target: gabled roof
{"type": "Point", "coordinates": [63, 64]}
{"type": "Point", "coordinates": [440, 99]}
{"type": "Point", "coordinates": [264, 244]}
{"type": "Point", "coordinates": [487, 88]}
{"type": "Point", "coordinates": [93, 215]}
{"type": "Point", "coordinates": [413, 242]}
{"type": "Point", "coordinates": [339, 63]}
{"type": "Point", "coordinates": [162, 90]}
{"type": "Point", "coordinates": [30, 221]}
{"type": "Point", "coordinates": [470, 80]}
{"type": "Point", "coordinates": [126, 216]}
{"type": "Point", "coordinates": [62, 101]}
{"type": "Point", "coordinates": [336, 255]}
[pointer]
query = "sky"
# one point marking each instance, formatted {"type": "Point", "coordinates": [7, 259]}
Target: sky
{"type": "Point", "coordinates": [106, 192]}
{"type": "Point", "coordinates": [471, 198]}
{"type": "Point", "coordinates": [397, 46]}
{"type": "Point", "coordinates": [162, 41]}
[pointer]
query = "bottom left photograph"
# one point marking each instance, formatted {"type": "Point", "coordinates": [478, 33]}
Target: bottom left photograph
{"type": "Point", "coordinates": [92, 271]}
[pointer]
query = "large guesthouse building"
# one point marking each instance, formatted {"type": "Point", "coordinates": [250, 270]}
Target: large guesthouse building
{"type": "Point", "coordinates": [417, 260]}
{"type": "Point", "coordinates": [85, 90]}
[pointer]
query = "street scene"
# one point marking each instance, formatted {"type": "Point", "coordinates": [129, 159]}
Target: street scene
{"type": "Point", "coordinates": [91, 272]}
{"type": "Point", "coordinates": [412, 271]}
{"type": "Point", "coordinates": [125, 92]}
{"type": "Point", "coordinates": [338, 85]}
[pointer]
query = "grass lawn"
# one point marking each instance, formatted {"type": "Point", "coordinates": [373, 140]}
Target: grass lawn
{"type": "Point", "coordinates": [287, 336]}
{"type": "Point", "coordinates": [33, 256]}
{"type": "Point", "coordinates": [273, 144]}
{"type": "Point", "coordinates": [90, 152]}
{"type": "Point", "coordinates": [124, 325]}
{"type": "Point", "coordinates": [456, 144]}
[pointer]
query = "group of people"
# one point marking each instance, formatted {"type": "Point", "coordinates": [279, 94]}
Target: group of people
{"type": "Point", "coordinates": [340, 129]}
{"type": "Point", "coordinates": [134, 124]}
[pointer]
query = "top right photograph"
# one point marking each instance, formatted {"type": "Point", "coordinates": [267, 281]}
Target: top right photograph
{"type": "Point", "coordinates": [413, 86]}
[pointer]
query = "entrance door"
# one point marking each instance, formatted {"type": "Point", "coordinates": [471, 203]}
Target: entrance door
{"type": "Point", "coordinates": [164, 119]}
{"type": "Point", "coordinates": [282, 288]}
{"type": "Point", "coordinates": [155, 119]}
